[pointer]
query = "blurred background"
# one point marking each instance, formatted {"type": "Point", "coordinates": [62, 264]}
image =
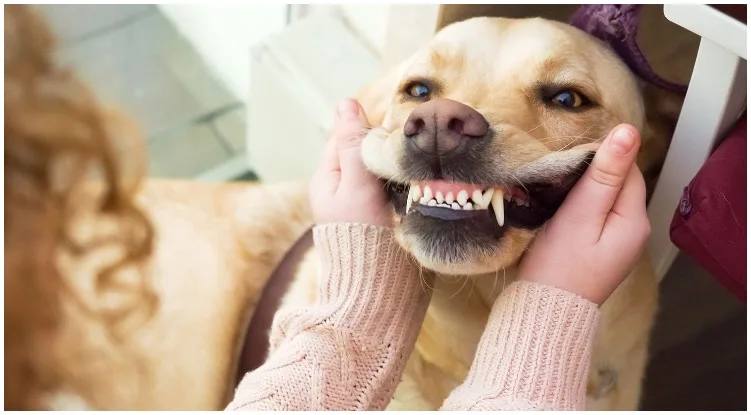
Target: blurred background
{"type": "Point", "coordinates": [227, 92]}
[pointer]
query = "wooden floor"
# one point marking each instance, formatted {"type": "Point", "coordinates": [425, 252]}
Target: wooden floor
{"type": "Point", "coordinates": [699, 346]}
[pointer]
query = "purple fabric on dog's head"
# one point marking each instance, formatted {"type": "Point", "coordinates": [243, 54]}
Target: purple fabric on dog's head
{"type": "Point", "coordinates": [616, 25]}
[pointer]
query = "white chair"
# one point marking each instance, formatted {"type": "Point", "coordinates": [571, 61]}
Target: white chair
{"type": "Point", "coordinates": [715, 99]}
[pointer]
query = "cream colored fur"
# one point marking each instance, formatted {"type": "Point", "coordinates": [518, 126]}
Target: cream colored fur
{"type": "Point", "coordinates": [216, 246]}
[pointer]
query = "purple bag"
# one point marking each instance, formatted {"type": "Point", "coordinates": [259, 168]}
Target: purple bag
{"type": "Point", "coordinates": [617, 26]}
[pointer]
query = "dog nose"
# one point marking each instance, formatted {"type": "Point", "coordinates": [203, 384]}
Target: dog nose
{"type": "Point", "coordinates": [442, 126]}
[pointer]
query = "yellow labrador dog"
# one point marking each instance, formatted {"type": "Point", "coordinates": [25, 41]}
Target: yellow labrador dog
{"type": "Point", "coordinates": [479, 136]}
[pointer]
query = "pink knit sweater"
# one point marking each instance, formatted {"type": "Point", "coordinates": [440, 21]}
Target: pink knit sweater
{"type": "Point", "coordinates": [348, 351]}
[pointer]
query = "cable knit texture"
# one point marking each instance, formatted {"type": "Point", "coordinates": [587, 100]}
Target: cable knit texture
{"type": "Point", "coordinates": [348, 351]}
{"type": "Point", "coordinates": [534, 353]}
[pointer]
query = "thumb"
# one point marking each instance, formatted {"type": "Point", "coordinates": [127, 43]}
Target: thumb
{"type": "Point", "coordinates": [595, 194]}
{"type": "Point", "coordinates": [349, 127]}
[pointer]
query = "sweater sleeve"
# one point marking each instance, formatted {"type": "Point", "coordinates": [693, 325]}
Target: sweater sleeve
{"type": "Point", "coordinates": [347, 351]}
{"type": "Point", "coordinates": [534, 353]}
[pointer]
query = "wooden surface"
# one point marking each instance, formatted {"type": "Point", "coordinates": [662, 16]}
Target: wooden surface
{"type": "Point", "coordinates": [698, 356]}
{"type": "Point", "coordinates": [705, 373]}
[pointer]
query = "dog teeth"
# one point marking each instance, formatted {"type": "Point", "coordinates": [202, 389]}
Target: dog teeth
{"type": "Point", "coordinates": [462, 197]}
{"type": "Point", "coordinates": [497, 202]}
{"type": "Point", "coordinates": [477, 196]}
{"type": "Point", "coordinates": [479, 200]}
{"type": "Point", "coordinates": [412, 196]}
{"type": "Point", "coordinates": [415, 192]}
{"type": "Point", "coordinates": [487, 197]}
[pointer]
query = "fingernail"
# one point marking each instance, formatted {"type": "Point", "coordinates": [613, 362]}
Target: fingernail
{"type": "Point", "coordinates": [623, 140]}
{"type": "Point", "coordinates": [348, 109]}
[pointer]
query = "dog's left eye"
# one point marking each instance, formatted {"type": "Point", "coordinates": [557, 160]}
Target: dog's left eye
{"type": "Point", "coordinates": [569, 99]}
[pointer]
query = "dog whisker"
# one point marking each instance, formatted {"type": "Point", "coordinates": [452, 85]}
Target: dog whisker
{"type": "Point", "coordinates": [460, 288]}
{"type": "Point", "coordinates": [495, 280]}
{"type": "Point", "coordinates": [527, 132]}
{"type": "Point", "coordinates": [503, 286]}
{"type": "Point", "coordinates": [469, 294]}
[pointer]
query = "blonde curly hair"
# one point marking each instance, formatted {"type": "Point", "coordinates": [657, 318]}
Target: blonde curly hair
{"type": "Point", "coordinates": [60, 145]}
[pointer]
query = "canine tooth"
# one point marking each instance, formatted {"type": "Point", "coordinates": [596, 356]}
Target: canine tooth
{"type": "Point", "coordinates": [467, 206]}
{"type": "Point", "coordinates": [486, 197]}
{"type": "Point", "coordinates": [477, 197]}
{"type": "Point", "coordinates": [449, 198]}
{"type": "Point", "coordinates": [432, 202]}
{"type": "Point", "coordinates": [497, 202]}
{"type": "Point", "coordinates": [462, 197]}
{"type": "Point", "coordinates": [409, 199]}
{"type": "Point", "coordinates": [428, 193]}
{"type": "Point", "coordinates": [439, 197]}
{"type": "Point", "coordinates": [456, 206]}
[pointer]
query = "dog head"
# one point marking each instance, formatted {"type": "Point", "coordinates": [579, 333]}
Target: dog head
{"type": "Point", "coordinates": [481, 134]}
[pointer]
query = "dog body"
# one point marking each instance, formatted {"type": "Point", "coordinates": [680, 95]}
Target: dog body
{"type": "Point", "coordinates": [500, 107]}
{"type": "Point", "coordinates": [214, 251]}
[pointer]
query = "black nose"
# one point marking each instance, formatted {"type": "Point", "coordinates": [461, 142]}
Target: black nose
{"type": "Point", "coordinates": [441, 127]}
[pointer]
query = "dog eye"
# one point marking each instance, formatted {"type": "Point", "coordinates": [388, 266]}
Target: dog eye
{"type": "Point", "coordinates": [418, 90]}
{"type": "Point", "coordinates": [569, 99]}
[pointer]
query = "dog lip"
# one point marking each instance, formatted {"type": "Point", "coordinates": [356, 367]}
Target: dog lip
{"type": "Point", "coordinates": [448, 214]}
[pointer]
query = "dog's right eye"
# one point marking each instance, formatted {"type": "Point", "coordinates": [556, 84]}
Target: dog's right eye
{"type": "Point", "coordinates": [418, 90]}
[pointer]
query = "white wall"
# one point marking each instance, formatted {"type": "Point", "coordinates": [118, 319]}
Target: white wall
{"type": "Point", "coordinates": [224, 33]}
{"type": "Point", "coordinates": [370, 21]}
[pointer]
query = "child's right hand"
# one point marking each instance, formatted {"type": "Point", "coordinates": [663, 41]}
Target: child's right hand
{"type": "Point", "coordinates": [341, 189]}
{"type": "Point", "coordinates": [591, 244]}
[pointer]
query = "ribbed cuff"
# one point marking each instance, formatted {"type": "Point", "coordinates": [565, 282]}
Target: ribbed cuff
{"type": "Point", "coordinates": [374, 286]}
{"type": "Point", "coordinates": [536, 348]}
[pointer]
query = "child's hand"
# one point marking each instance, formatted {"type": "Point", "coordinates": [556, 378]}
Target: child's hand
{"type": "Point", "coordinates": [598, 234]}
{"type": "Point", "coordinates": [341, 189]}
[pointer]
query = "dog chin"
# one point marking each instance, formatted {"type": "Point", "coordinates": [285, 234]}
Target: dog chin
{"type": "Point", "coordinates": [473, 261]}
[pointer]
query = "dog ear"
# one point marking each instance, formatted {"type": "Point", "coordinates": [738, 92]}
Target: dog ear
{"type": "Point", "coordinates": [377, 97]}
{"type": "Point", "coordinates": [662, 108]}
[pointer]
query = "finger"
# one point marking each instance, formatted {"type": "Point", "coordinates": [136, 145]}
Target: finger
{"type": "Point", "coordinates": [330, 157]}
{"type": "Point", "coordinates": [633, 197]}
{"type": "Point", "coordinates": [596, 192]}
{"type": "Point", "coordinates": [630, 208]}
{"type": "Point", "coordinates": [349, 127]}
